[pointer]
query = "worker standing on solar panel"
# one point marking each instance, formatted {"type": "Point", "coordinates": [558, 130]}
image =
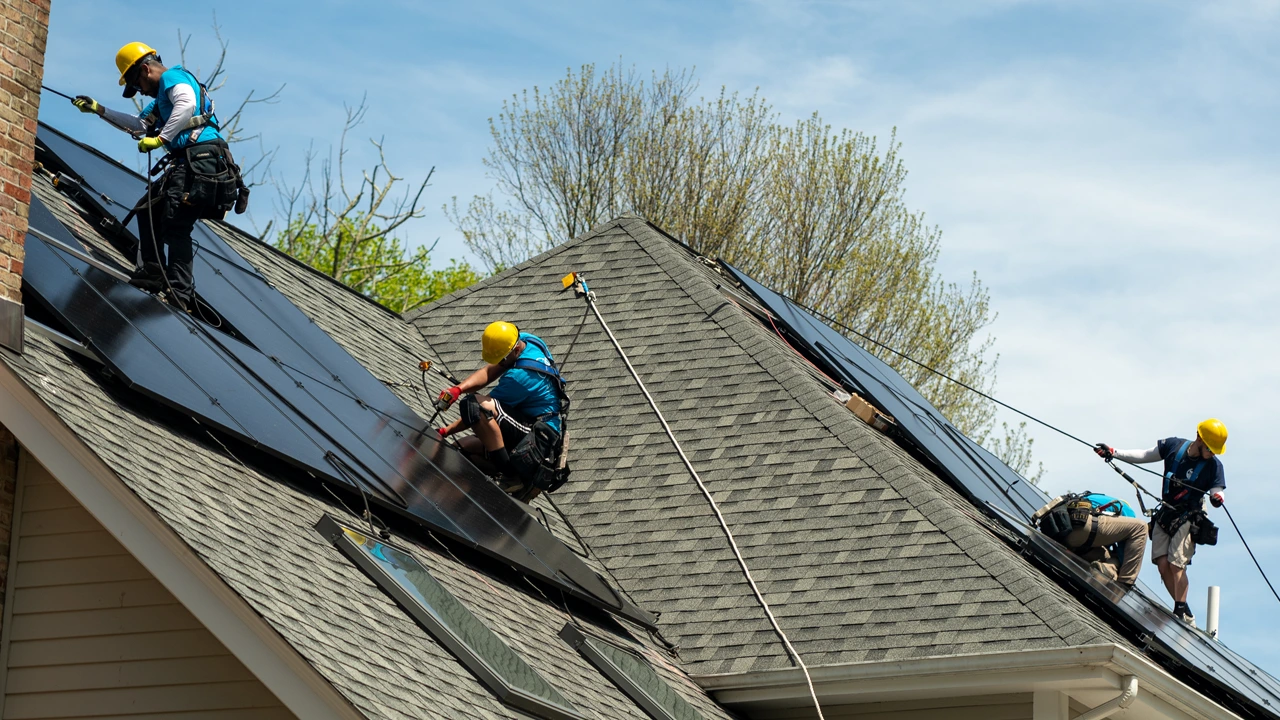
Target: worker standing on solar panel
{"type": "Point", "coordinates": [1192, 475]}
{"type": "Point", "coordinates": [519, 425]}
{"type": "Point", "coordinates": [1099, 528]}
{"type": "Point", "coordinates": [201, 180]}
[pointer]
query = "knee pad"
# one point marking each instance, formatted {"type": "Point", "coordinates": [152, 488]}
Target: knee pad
{"type": "Point", "coordinates": [469, 410]}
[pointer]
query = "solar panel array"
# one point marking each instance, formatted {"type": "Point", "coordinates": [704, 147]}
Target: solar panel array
{"type": "Point", "coordinates": [1210, 665]}
{"type": "Point", "coordinates": [970, 468]}
{"type": "Point", "coordinates": [288, 388]}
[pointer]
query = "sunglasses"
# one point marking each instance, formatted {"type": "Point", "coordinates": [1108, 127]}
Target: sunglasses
{"type": "Point", "coordinates": [132, 75]}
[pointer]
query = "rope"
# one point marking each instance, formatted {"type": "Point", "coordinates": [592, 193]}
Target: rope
{"type": "Point", "coordinates": [724, 526]}
{"type": "Point", "coordinates": [1251, 556]}
{"type": "Point", "coordinates": [942, 375]}
{"type": "Point", "coordinates": [1035, 419]}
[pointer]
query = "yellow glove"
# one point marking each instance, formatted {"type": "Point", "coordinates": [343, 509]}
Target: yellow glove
{"type": "Point", "coordinates": [147, 144]}
{"type": "Point", "coordinates": [86, 104]}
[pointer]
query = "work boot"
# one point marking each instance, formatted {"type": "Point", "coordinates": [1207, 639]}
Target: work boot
{"type": "Point", "coordinates": [149, 278]}
{"type": "Point", "coordinates": [510, 485]}
{"type": "Point", "coordinates": [1182, 611]}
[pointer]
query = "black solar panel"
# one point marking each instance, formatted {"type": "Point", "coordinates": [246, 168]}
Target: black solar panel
{"type": "Point", "coordinates": [292, 390]}
{"type": "Point", "coordinates": [115, 189]}
{"type": "Point", "coordinates": [1216, 668]}
{"type": "Point", "coordinates": [154, 350]}
{"type": "Point", "coordinates": [972, 469]}
{"type": "Point", "coordinates": [1210, 666]}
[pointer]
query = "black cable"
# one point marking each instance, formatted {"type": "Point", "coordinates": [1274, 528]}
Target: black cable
{"type": "Point", "coordinates": [1056, 429]}
{"type": "Point", "coordinates": [581, 323]}
{"type": "Point", "coordinates": [943, 375]}
{"type": "Point", "coordinates": [1250, 550]}
{"type": "Point", "coordinates": [55, 92]}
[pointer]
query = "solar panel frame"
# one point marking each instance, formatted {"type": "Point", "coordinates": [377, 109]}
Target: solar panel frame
{"type": "Point", "coordinates": [1252, 691]}
{"type": "Point", "coordinates": [298, 375]}
{"type": "Point", "coordinates": [1220, 672]}
{"type": "Point", "coordinates": [970, 468]}
{"type": "Point", "coordinates": [114, 188]}
{"type": "Point", "coordinates": [672, 707]}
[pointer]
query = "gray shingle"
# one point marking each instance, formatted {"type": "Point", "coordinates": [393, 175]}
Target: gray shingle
{"type": "Point", "coordinates": [255, 528]}
{"type": "Point", "coordinates": [863, 553]}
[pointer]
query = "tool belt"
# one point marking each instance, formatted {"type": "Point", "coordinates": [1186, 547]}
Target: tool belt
{"type": "Point", "coordinates": [540, 456]}
{"type": "Point", "coordinates": [1170, 518]}
{"type": "Point", "coordinates": [1066, 515]}
{"type": "Point", "coordinates": [213, 184]}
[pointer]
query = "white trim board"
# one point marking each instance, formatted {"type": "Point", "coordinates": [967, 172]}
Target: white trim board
{"type": "Point", "coordinates": [1089, 674]}
{"type": "Point", "coordinates": [166, 556]}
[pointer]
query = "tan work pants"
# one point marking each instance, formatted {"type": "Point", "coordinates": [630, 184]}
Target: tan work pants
{"type": "Point", "coordinates": [1130, 532]}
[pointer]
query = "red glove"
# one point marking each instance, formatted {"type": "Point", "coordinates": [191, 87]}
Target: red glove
{"type": "Point", "coordinates": [1216, 499]}
{"type": "Point", "coordinates": [1104, 451]}
{"type": "Point", "coordinates": [447, 398]}
{"type": "Point", "coordinates": [444, 432]}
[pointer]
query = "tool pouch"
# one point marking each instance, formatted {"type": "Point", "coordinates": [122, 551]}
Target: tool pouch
{"type": "Point", "coordinates": [1080, 511]}
{"type": "Point", "coordinates": [1169, 518]}
{"type": "Point", "coordinates": [1204, 532]}
{"type": "Point", "coordinates": [1056, 523]}
{"type": "Point", "coordinates": [212, 180]}
{"type": "Point", "coordinates": [537, 455]}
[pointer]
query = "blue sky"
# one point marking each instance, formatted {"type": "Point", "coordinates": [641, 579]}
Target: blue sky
{"type": "Point", "coordinates": [1108, 170]}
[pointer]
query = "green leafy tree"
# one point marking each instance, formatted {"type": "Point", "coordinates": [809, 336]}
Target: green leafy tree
{"type": "Point", "coordinates": [344, 228]}
{"type": "Point", "coordinates": [364, 259]}
{"type": "Point", "coordinates": [817, 213]}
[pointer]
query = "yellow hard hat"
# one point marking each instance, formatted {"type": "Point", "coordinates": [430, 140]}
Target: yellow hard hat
{"type": "Point", "coordinates": [498, 340]}
{"type": "Point", "coordinates": [130, 54]}
{"type": "Point", "coordinates": [1214, 434]}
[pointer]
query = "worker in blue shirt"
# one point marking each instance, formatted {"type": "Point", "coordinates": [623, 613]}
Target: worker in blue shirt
{"type": "Point", "coordinates": [202, 180]}
{"type": "Point", "coordinates": [1192, 475]}
{"type": "Point", "coordinates": [1102, 530]}
{"type": "Point", "coordinates": [529, 391]}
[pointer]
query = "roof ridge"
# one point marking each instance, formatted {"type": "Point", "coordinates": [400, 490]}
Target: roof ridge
{"type": "Point", "coordinates": [888, 464]}
{"type": "Point", "coordinates": [538, 259]}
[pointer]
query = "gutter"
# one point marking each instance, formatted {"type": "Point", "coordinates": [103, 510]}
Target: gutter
{"type": "Point", "coordinates": [1090, 670]}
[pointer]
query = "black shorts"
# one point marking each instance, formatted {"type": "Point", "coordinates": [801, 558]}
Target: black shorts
{"type": "Point", "coordinates": [514, 426]}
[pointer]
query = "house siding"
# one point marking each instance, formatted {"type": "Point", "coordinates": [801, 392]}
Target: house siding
{"type": "Point", "coordinates": [93, 634]}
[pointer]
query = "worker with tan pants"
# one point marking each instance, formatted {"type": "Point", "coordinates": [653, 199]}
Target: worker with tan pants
{"type": "Point", "coordinates": [1100, 529]}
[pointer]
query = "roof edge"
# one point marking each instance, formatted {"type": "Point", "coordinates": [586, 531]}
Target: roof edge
{"type": "Point", "coordinates": [271, 659]}
{"type": "Point", "coordinates": [1091, 668]}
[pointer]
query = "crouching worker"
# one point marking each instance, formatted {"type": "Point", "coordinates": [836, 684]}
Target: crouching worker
{"type": "Point", "coordinates": [519, 425]}
{"type": "Point", "coordinates": [1099, 528]}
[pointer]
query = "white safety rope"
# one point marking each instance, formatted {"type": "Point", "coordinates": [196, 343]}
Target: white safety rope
{"type": "Point", "coordinates": [733, 545]}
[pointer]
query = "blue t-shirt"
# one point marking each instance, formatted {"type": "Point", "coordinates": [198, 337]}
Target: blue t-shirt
{"type": "Point", "coordinates": [528, 392]}
{"type": "Point", "coordinates": [1120, 506]}
{"type": "Point", "coordinates": [1210, 475]}
{"type": "Point", "coordinates": [162, 106]}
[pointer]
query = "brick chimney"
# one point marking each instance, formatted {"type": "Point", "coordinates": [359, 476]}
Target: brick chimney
{"type": "Point", "coordinates": [24, 26]}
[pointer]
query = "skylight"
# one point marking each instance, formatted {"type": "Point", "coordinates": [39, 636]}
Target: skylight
{"type": "Point", "coordinates": [454, 626]}
{"type": "Point", "coordinates": [632, 675]}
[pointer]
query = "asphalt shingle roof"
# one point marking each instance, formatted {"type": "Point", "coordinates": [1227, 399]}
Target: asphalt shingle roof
{"type": "Point", "coordinates": [253, 524]}
{"type": "Point", "coordinates": [863, 553]}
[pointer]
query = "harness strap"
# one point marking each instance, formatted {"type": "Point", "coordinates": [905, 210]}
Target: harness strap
{"type": "Point", "coordinates": [1093, 535]}
{"type": "Point", "coordinates": [1170, 475]}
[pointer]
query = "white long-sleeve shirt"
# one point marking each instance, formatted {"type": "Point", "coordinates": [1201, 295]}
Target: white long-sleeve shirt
{"type": "Point", "coordinates": [1151, 455]}
{"type": "Point", "coordinates": [184, 108]}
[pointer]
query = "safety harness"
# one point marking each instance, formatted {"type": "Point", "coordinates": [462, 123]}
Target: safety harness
{"type": "Point", "coordinates": [197, 119]}
{"type": "Point", "coordinates": [543, 449]}
{"type": "Point", "coordinates": [1172, 514]}
{"type": "Point", "coordinates": [1067, 513]}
